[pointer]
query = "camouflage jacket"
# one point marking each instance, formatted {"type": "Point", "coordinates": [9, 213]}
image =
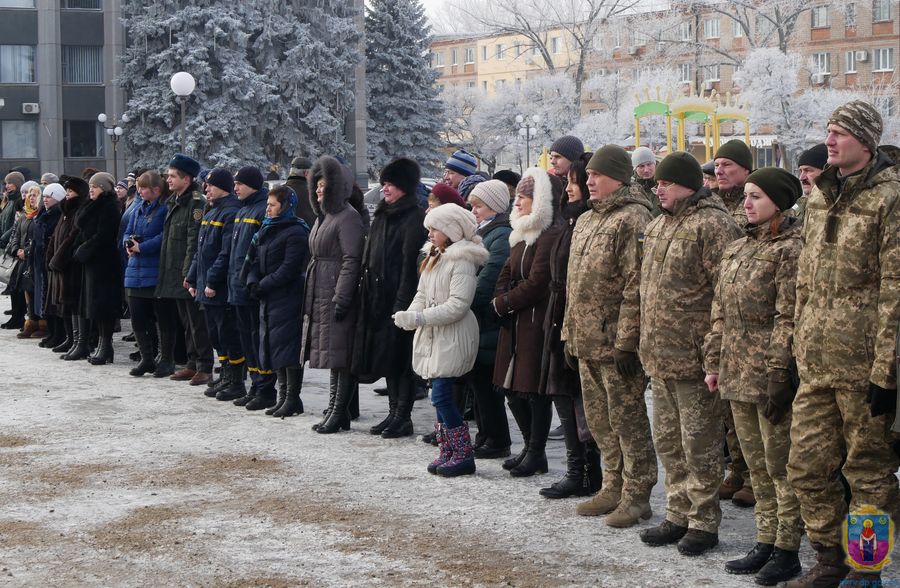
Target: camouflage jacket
{"type": "Point", "coordinates": [647, 190]}
{"type": "Point", "coordinates": [603, 309]}
{"type": "Point", "coordinates": [848, 281]}
{"type": "Point", "coordinates": [734, 202]}
{"type": "Point", "coordinates": [753, 311]}
{"type": "Point", "coordinates": [678, 276]}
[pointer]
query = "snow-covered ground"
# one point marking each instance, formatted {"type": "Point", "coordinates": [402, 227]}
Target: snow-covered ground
{"type": "Point", "coordinates": [109, 480]}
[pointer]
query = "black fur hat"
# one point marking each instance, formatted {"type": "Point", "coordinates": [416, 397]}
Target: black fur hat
{"type": "Point", "coordinates": [403, 173]}
{"type": "Point", "coordinates": [78, 186]}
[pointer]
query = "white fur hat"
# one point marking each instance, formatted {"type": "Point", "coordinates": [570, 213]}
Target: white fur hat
{"type": "Point", "coordinates": [454, 221]}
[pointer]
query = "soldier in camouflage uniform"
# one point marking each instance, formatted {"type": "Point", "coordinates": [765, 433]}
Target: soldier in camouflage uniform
{"type": "Point", "coordinates": [810, 165]}
{"type": "Point", "coordinates": [601, 329]}
{"type": "Point", "coordinates": [848, 306]}
{"type": "Point", "coordinates": [644, 163]}
{"type": "Point", "coordinates": [747, 358]}
{"type": "Point", "coordinates": [678, 275]}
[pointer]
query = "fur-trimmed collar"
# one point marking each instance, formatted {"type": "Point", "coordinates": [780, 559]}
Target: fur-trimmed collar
{"type": "Point", "coordinates": [338, 185]}
{"type": "Point", "coordinates": [465, 250]}
{"type": "Point", "coordinates": [528, 228]}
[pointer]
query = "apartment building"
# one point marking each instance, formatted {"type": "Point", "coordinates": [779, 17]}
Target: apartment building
{"type": "Point", "coordinates": [58, 59]}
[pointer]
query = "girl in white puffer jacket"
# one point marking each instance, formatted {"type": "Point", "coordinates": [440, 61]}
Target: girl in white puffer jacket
{"type": "Point", "coordinates": [446, 340]}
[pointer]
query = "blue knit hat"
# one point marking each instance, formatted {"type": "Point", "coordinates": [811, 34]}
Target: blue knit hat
{"type": "Point", "coordinates": [462, 162]}
{"type": "Point", "coordinates": [221, 178]}
{"type": "Point", "coordinates": [186, 164]}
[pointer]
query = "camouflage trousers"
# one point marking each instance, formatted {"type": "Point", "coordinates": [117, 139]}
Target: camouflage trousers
{"type": "Point", "coordinates": [738, 463]}
{"type": "Point", "coordinates": [827, 425]}
{"type": "Point", "coordinates": [687, 430]}
{"type": "Point", "coordinates": [616, 413]}
{"type": "Point", "coordinates": [766, 447]}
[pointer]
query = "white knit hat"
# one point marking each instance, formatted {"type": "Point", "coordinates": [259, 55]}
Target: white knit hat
{"type": "Point", "coordinates": [642, 155]}
{"type": "Point", "coordinates": [55, 191]}
{"type": "Point", "coordinates": [454, 221]}
{"type": "Point", "coordinates": [494, 194]}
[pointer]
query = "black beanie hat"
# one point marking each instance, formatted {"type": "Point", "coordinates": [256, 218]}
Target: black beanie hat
{"type": "Point", "coordinates": [250, 176]}
{"type": "Point", "coordinates": [680, 168]}
{"type": "Point", "coordinates": [738, 152]}
{"type": "Point", "coordinates": [780, 186]}
{"type": "Point", "coordinates": [612, 161]}
{"type": "Point", "coordinates": [403, 173]}
{"type": "Point", "coordinates": [221, 178]}
{"type": "Point", "coordinates": [568, 146]}
{"type": "Point", "coordinates": [508, 177]}
{"type": "Point", "coordinates": [77, 185]}
{"type": "Point", "coordinates": [816, 156]}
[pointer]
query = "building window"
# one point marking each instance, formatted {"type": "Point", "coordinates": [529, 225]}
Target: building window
{"type": "Point", "coordinates": [518, 51]}
{"type": "Point", "coordinates": [19, 139]}
{"type": "Point", "coordinates": [454, 57]}
{"type": "Point", "coordinates": [437, 59]}
{"type": "Point", "coordinates": [685, 31]}
{"type": "Point", "coordinates": [83, 4]}
{"type": "Point", "coordinates": [850, 62]}
{"type": "Point", "coordinates": [16, 64]}
{"type": "Point", "coordinates": [554, 45]}
{"type": "Point", "coordinates": [737, 30]}
{"type": "Point", "coordinates": [881, 10]}
{"type": "Point", "coordinates": [535, 49]}
{"type": "Point", "coordinates": [484, 53]}
{"type": "Point", "coordinates": [886, 105]}
{"type": "Point", "coordinates": [641, 38]}
{"type": "Point", "coordinates": [617, 38]}
{"type": "Point", "coordinates": [820, 18]}
{"type": "Point", "coordinates": [484, 86]}
{"type": "Point", "coordinates": [470, 54]}
{"type": "Point", "coordinates": [821, 62]}
{"type": "Point", "coordinates": [684, 72]}
{"type": "Point", "coordinates": [470, 84]}
{"type": "Point", "coordinates": [499, 85]}
{"type": "Point", "coordinates": [850, 15]}
{"type": "Point", "coordinates": [765, 157]}
{"type": "Point", "coordinates": [883, 59]}
{"type": "Point", "coordinates": [711, 28]}
{"type": "Point", "coordinates": [711, 73]}
{"type": "Point", "coordinates": [82, 64]}
{"type": "Point", "coordinates": [500, 49]}
{"type": "Point", "coordinates": [16, 3]}
{"type": "Point", "coordinates": [83, 138]}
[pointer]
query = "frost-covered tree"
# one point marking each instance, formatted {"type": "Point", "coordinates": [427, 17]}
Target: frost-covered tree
{"type": "Point", "coordinates": [404, 110]}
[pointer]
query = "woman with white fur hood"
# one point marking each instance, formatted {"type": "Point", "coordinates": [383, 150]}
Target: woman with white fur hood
{"type": "Point", "coordinates": [446, 339]}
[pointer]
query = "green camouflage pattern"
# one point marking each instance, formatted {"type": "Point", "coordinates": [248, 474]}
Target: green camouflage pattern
{"type": "Point", "coordinates": [766, 447]}
{"type": "Point", "coordinates": [682, 251]}
{"type": "Point", "coordinates": [602, 292]}
{"type": "Point", "coordinates": [734, 202]}
{"type": "Point", "coordinates": [753, 311]}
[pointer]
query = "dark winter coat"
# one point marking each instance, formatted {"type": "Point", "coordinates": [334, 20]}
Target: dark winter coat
{"type": "Point", "coordinates": [303, 209]}
{"type": "Point", "coordinates": [388, 284]}
{"type": "Point", "coordinates": [523, 292]}
{"type": "Point", "coordinates": [20, 238]}
{"type": "Point", "coordinates": [97, 252]}
{"type": "Point", "coordinates": [42, 230]}
{"type": "Point", "coordinates": [247, 222]}
{"type": "Point", "coordinates": [182, 227]}
{"type": "Point", "coordinates": [279, 268]}
{"type": "Point", "coordinates": [495, 238]}
{"type": "Point", "coordinates": [64, 277]}
{"type": "Point", "coordinates": [210, 266]}
{"type": "Point", "coordinates": [147, 223]}
{"type": "Point", "coordinates": [8, 217]}
{"type": "Point", "coordinates": [336, 246]}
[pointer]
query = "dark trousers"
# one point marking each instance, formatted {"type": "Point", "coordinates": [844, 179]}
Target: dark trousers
{"type": "Point", "coordinates": [196, 337]}
{"type": "Point", "coordinates": [143, 314]}
{"type": "Point", "coordinates": [223, 333]}
{"type": "Point", "coordinates": [490, 408]}
{"type": "Point", "coordinates": [248, 331]}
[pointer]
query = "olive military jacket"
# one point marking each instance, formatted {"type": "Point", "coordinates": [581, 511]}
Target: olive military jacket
{"type": "Point", "coordinates": [184, 213]}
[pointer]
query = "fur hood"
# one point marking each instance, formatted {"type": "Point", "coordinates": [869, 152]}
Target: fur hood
{"type": "Point", "coordinates": [528, 228]}
{"type": "Point", "coordinates": [466, 250]}
{"type": "Point", "coordinates": [338, 185]}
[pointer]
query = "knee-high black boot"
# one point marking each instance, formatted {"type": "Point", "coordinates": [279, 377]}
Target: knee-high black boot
{"type": "Point", "coordinates": [292, 404]}
{"type": "Point", "coordinates": [69, 341]}
{"type": "Point", "coordinates": [332, 396]}
{"type": "Point", "coordinates": [104, 353]}
{"type": "Point", "coordinates": [55, 333]}
{"type": "Point", "coordinates": [535, 460]}
{"type": "Point", "coordinates": [574, 482]}
{"type": "Point", "coordinates": [339, 418]}
{"type": "Point", "coordinates": [165, 366]}
{"type": "Point", "coordinates": [521, 411]}
{"type": "Point", "coordinates": [282, 391]}
{"type": "Point", "coordinates": [379, 428]}
{"type": "Point", "coordinates": [401, 425]}
{"type": "Point", "coordinates": [81, 349]}
{"type": "Point", "coordinates": [145, 346]}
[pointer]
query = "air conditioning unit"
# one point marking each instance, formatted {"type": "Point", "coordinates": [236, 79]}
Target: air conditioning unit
{"type": "Point", "coordinates": [819, 78]}
{"type": "Point", "coordinates": [708, 85]}
{"type": "Point", "coordinates": [31, 108]}
{"type": "Point", "coordinates": [861, 56]}
{"type": "Point", "coordinates": [633, 50]}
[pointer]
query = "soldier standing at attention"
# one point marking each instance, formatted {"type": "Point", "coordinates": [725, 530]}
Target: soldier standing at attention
{"type": "Point", "coordinates": [848, 306]}
{"type": "Point", "coordinates": [680, 264]}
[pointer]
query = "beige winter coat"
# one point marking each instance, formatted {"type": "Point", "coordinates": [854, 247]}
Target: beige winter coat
{"type": "Point", "coordinates": [448, 343]}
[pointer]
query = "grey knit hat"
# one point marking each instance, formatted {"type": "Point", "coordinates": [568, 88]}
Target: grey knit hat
{"type": "Point", "coordinates": [104, 181]}
{"type": "Point", "coordinates": [494, 194]}
{"type": "Point", "coordinates": [568, 146]}
{"type": "Point", "coordinates": [861, 120]}
{"type": "Point", "coordinates": [642, 155]}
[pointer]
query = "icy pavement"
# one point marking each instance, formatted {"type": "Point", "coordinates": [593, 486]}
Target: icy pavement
{"type": "Point", "coordinates": [108, 480]}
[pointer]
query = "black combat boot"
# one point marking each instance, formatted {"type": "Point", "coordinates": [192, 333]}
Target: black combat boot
{"type": "Point", "coordinates": [145, 346]}
{"type": "Point", "coordinates": [696, 542]}
{"type": "Point", "coordinates": [265, 395]}
{"type": "Point", "coordinates": [292, 404]}
{"type": "Point", "coordinates": [233, 388]}
{"type": "Point", "coordinates": [753, 561]}
{"type": "Point", "coordinates": [781, 567]}
{"type": "Point", "coordinates": [666, 533]}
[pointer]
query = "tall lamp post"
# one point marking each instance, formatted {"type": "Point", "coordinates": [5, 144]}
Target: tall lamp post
{"type": "Point", "coordinates": [115, 133]}
{"type": "Point", "coordinates": [528, 129]}
{"type": "Point", "coordinates": [183, 84]}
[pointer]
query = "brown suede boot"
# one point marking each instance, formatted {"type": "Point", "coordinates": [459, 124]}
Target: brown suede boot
{"type": "Point", "coordinates": [744, 498]}
{"type": "Point", "coordinates": [730, 486]}
{"type": "Point", "coordinates": [828, 572]}
{"type": "Point", "coordinates": [601, 503]}
{"type": "Point", "coordinates": [29, 328]}
{"type": "Point", "coordinates": [41, 331]}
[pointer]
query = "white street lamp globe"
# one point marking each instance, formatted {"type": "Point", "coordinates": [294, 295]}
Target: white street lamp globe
{"type": "Point", "coordinates": [520, 119]}
{"type": "Point", "coordinates": [532, 131]}
{"type": "Point", "coordinates": [125, 118]}
{"type": "Point", "coordinates": [536, 118]}
{"type": "Point", "coordinates": [101, 117]}
{"type": "Point", "coordinates": [182, 83]}
{"type": "Point", "coordinates": [522, 131]}
{"type": "Point", "coordinates": [119, 131]}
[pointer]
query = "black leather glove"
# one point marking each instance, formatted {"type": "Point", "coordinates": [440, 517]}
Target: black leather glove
{"type": "Point", "coordinates": [253, 291]}
{"type": "Point", "coordinates": [340, 313]}
{"type": "Point", "coordinates": [628, 364]}
{"type": "Point", "coordinates": [881, 400]}
{"type": "Point", "coordinates": [781, 396]}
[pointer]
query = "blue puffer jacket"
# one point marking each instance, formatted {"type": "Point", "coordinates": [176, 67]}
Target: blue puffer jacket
{"type": "Point", "coordinates": [130, 211]}
{"type": "Point", "coordinates": [246, 223]}
{"type": "Point", "coordinates": [147, 222]}
{"type": "Point", "coordinates": [210, 266]}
